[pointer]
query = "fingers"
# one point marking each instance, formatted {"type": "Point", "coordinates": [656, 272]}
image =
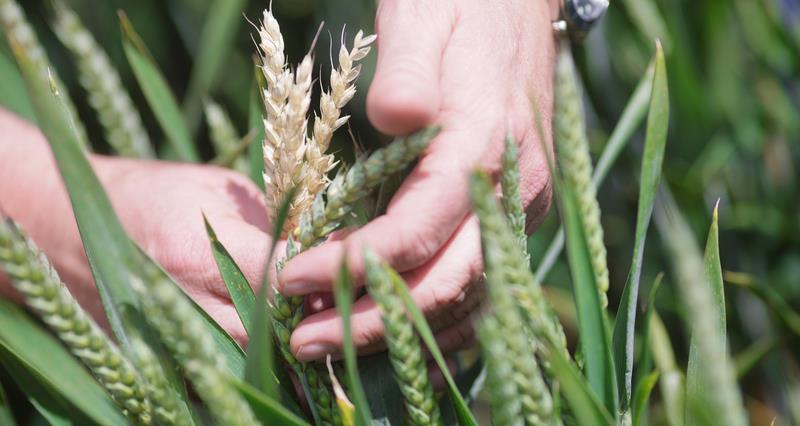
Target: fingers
{"type": "Point", "coordinates": [404, 95]}
{"type": "Point", "coordinates": [422, 216]}
{"type": "Point", "coordinates": [439, 285]}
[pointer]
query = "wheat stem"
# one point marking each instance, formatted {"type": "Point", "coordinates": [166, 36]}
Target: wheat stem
{"type": "Point", "coordinates": [35, 278]}
{"type": "Point", "coordinates": [576, 162]}
{"type": "Point", "coordinates": [405, 352]}
{"type": "Point", "coordinates": [115, 109]}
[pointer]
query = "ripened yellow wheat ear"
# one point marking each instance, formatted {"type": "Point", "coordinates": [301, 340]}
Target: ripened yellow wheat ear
{"type": "Point", "coordinates": [293, 158]}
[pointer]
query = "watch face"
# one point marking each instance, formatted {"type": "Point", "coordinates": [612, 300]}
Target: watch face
{"type": "Point", "coordinates": [584, 13]}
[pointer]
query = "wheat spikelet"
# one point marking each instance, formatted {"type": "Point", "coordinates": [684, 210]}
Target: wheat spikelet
{"type": "Point", "coordinates": [348, 187]}
{"type": "Point", "coordinates": [43, 291]}
{"type": "Point", "coordinates": [405, 351]}
{"type": "Point", "coordinates": [115, 109]}
{"type": "Point", "coordinates": [576, 163]}
{"type": "Point", "coordinates": [184, 333]}
{"type": "Point", "coordinates": [342, 90]}
{"type": "Point", "coordinates": [512, 201]}
{"type": "Point", "coordinates": [17, 28]}
{"type": "Point", "coordinates": [507, 271]}
{"type": "Point", "coordinates": [503, 392]}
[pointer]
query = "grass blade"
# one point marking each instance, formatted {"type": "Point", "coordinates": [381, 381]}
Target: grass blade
{"type": "Point", "coordinates": [219, 31]}
{"type": "Point", "coordinates": [343, 293]}
{"type": "Point", "coordinates": [646, 360]}
{"type": "Point", "coordinates": [113, 257]}
{"type": "Point", "coordinates": [697, 389]}
{"type": "Point", "coordinates": [594, 334]}
{"type": "Point", "coordinates": [266, 409]}
{"type": "Point", "coordinates": [48, 373]}
{"type": "Point", "coordinates": [672, 379]}
{"type": "Point", "coordinates": [6, 418]}
{"type": "Point", "coordinates": [260, 368]}
{"type": "Point", "coordinates": [461, 408]}
{"type": "Point", "coordinates": [652, 160]}
{"type": "Point", "coordinates": [629, 121]}
{"type": "Point", "coordinates": [775, 302]}
{"type": "Point", "coordinates": [13, 95]}
{"type": "Point", "coordinates": [255, 122]}
{"type": "Point", "coordinates": [241, 293]}
{"type": "Point", "coordinates": [583, 402]}
{"type": "Point", "coordinates": [157, 92]}
{"type": "Point", "coordinates": [724, 403]}
{"type": "Point", "coordinates": [642, 395]}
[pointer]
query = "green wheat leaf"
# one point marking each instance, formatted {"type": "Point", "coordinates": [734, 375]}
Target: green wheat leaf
{"type": "Point", "coordinates": [652, 160]}
{"type": "Point", "coordinates": [157, 92]}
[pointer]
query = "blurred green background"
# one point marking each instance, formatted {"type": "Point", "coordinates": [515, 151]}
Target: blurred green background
{"type": "Point", "coordinates": [734, 71]}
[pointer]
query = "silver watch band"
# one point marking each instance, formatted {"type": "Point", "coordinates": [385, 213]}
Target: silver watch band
{"type": "Point", "coordinates": [579, 16]}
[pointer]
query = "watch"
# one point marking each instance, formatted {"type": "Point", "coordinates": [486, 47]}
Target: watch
{"type": "Point", "coordinates": [579, 16]}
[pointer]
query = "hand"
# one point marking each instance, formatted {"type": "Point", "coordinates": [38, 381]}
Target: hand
{"type": "Point", "coordinates": [478, 69]}
{"type": "Point", "coordinates": [160, 204]}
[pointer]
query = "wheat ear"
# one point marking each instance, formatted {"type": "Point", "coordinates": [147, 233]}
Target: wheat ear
{"type": "Point", "coordinates": [16, 27]}
{"type": "Point", "coordinates": [405, 351]}
{"type": "Point", "coordinates": [503, 392]}
{"type": "Point", "coordinates": [185, 334]}
{"type": "Point", "coordinates": [331, 103]}
{"type": "Point", "coordinates": [512, 200]}
{"type": "Point", "coordinates": [576, 162]}
{"type": "Point", "coordinates": [225, 138]}
{"type": "Point", "coordinates": [348, 187]}
{"type": "Point", "coordinates": [505, 263]}
{"type": "Point", "coordinates": [115, 109]}
{"type": "Point", "coordinates": [34, 277]}
{"type": "Point", "coordinates": [168, 409]}
{"type": "Point", "coordinates": [506, 270]}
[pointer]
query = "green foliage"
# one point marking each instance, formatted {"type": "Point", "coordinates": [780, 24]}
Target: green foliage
{"type": "Point", "coordinates": [732, 107]}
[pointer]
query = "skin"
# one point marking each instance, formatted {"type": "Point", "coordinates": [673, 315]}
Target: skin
{"type": "Point", "coordinates": [478, 69]}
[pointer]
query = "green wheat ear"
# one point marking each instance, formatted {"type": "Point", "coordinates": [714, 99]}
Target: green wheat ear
{"type": "Point", "coordinates": [115, 109]}
{"type": "Point", "coordinates": [512, 201]}
{"type": "Point", "coordinates": [364, 176]}
{"type": "Point", "coordinates": [506, 266]}
{"type": "Point", "coordinates": [16, 27]}
{"type": "Point", "coordinates": [225, 138]}
{"type": "Point", "coordinates": [576, 162]}
{"type": "Point", "coordinates": [185, 334]}
{"type": "Point", "coordinates": [508, 277]}
{"type": "Point", "coordinates": [45, 293]}
{"type": "Point", "coordinates": [405, 351]}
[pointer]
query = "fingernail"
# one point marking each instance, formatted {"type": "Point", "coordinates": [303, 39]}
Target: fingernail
{"type": "Point", "coordinates": [314, 351]}
{"type": "Point", "coordinates": [298, 288]}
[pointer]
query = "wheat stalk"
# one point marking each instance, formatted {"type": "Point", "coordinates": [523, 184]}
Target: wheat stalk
{"type": "Point", "coordinates": [576, 162]}
{"type": "Point", "coordinates": [16, 27]}
{"type": "Point", "coordinates": [185, 334]}
{"type": "Point", "coordinates": [34, 277]}
{"type": "Point", "coordinates": [405, 352]}
{"type": "Point", "coordinates": [115, 109]}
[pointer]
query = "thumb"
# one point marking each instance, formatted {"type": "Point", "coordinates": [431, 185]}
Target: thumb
{"type": "Point", "coordinates": [404, 95]}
